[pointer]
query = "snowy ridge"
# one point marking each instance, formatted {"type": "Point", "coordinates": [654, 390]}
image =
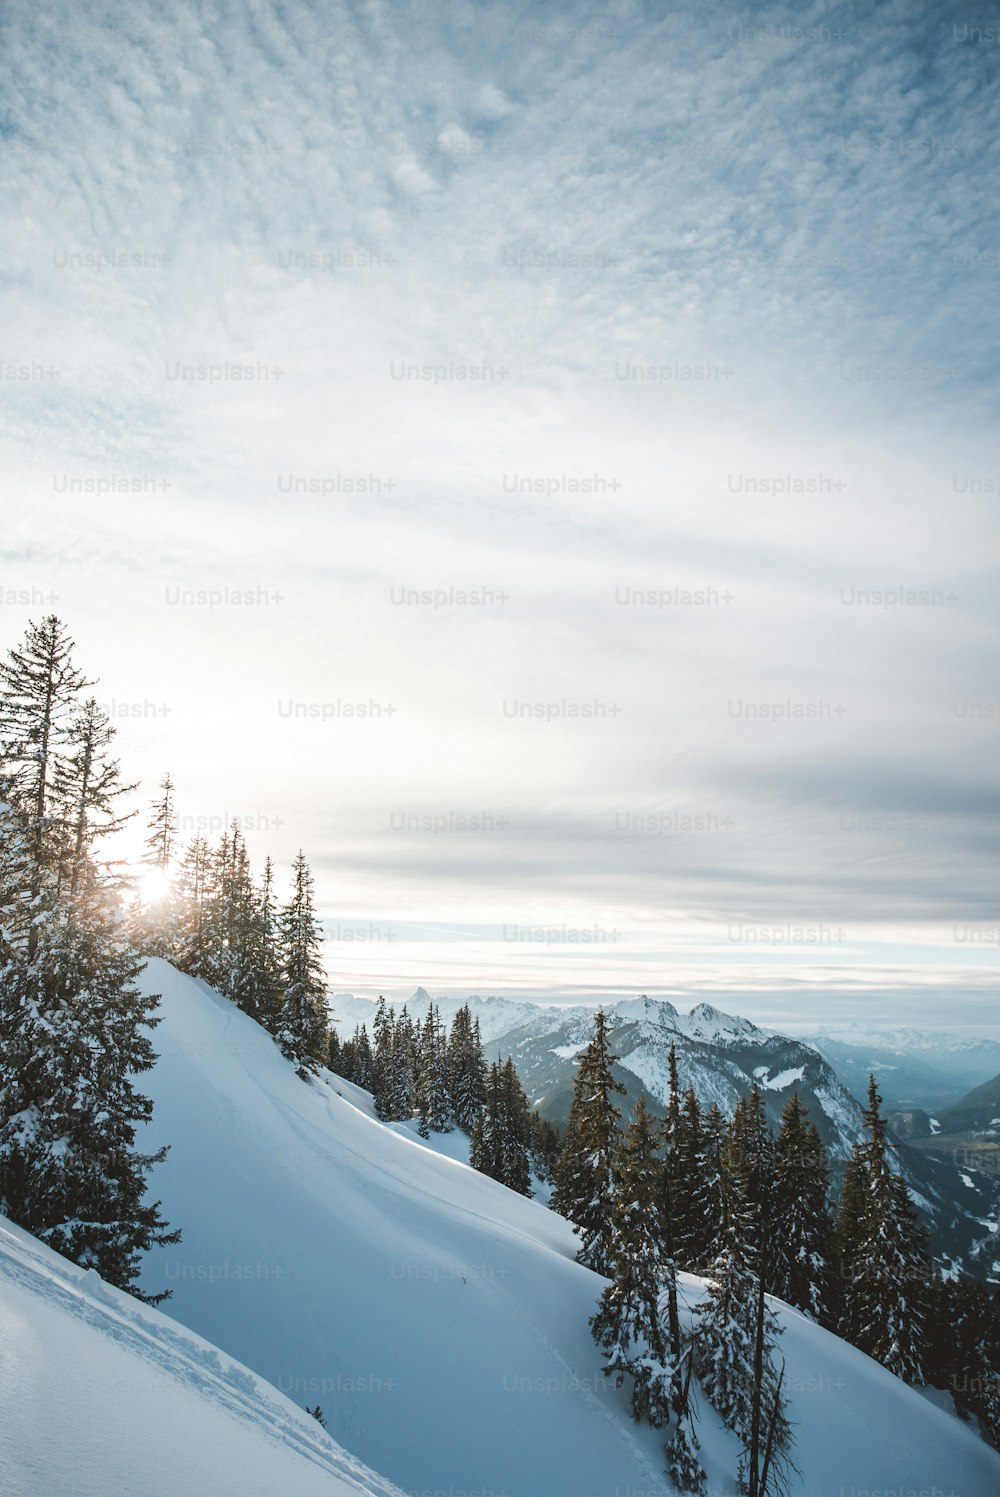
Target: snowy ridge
{"type": "Point", "coordinates": [439, 1319]}
{"type": "Point", "coordinates": [719, 1054]}
{"type": "Point", "coordinates": [713, 1027]}
{"type": "Point", "coordinates": [157, 1410]}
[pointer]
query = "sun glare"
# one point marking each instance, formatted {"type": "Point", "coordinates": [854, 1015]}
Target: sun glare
{"type": "Point", "coordinates": [152, 884]}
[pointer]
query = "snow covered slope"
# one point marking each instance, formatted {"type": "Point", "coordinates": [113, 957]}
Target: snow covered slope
{"type": "Point", "coordinates": [438, 1319]}
{"type": "Point", "coordinates": [103, 1397]}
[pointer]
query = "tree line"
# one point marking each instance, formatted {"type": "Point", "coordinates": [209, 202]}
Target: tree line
{"type": "Point", "coordinates": [419, 1069]}
{"type": "Point", "coordinates": [213, 919]}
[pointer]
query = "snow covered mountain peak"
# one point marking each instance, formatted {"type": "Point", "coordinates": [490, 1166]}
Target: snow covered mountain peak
{"type": "Point", "coordinates": [713, 1027]}
{"type": "Point", "coordinates": [646, 1010]}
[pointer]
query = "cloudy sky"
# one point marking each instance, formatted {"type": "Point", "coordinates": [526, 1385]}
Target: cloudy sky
{"type": "Point", "coordinates": [543, 460]}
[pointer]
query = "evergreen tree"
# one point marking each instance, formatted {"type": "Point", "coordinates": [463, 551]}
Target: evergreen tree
{"type": "Point", "coordinates": [194, 895]}
{"type": "Point", "coordinates": [736, 1330]}
{"type": "Point", "coordinates": [847, 1238]}
{"type": "Point", "coordinates": [637, 1324]}
{"type": "Point", "coordinates": [803, 1224]}
{"type": "Point", "coordinates": [336, 1060]}
{"type": "Point", "coordinates": [154, 915]}
{"type": "Point", "coordinates": [232, 924]}
{"type": "Point", "coordinates": [73, 1036]}
{"type": "Point", "coordinates": [39, 689]}
{"type": "Point", "coordinates": [485, 1153]}
{"type": "Point", "coordinates": [673, 1203]}
{"type": "Point", "coordinates": [544, 1144]}
{"type": "Point", "coordinates": [732, 1332]}
{"type": "Point", "coordinates": [696, 1205]}
{"type": "Point", "coordinates": [433, 1101]}
{"type": "Point", "coordinates": [884, 1264]}
{"type": "Point", "coordinates": [466, 1070]}
{"type": "Point", "coordinates": [162, 828]}
{"type": "Point", "coordinates": [362, 1059]}
{"type": "Point", "coordinates": [748, 1175]}
{"type": "Point", "coordinates": [402, 1067]}
{"type": "Point", "coordinates": [765, 1464]}
{"type": "Point", "coordinates": [713, 1134]}
{"type": "Point", "coordinates": [587, 1173]}
{"type": "Point", "coordinates": [74, 1029]}
{"type": "Point", "coordinates": [627, 1325]}
{"type": "Point", "coordinates": [86, 785]}
{"type": "Point", "coordinates": [259, 990]}
{"type": "Point", "coordinates": [15, 874]}
{"type": "Point", "coordinates": [501, 1132]}
{"type": "Point", "coordinates": [302, 1024]}
{"type": "Point", "coordinates": [516, 1142]}
{"type": "Point", "coordinates": [382, 1062]}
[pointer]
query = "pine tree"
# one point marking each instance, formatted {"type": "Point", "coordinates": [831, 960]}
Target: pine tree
{"type": "Point", "coordinates": [501, 1132]}
{"type": "Point", "coordinates": [402, 1067]}
{"type": "Point", "coordinates": [338, 1057]}
{"type": "Point", "coordinates": [627, 1325]}
{"type": "Point", "coordinates": [39, 688]}
{"type": "Point", "coordinates": [516, 1140]}
{"type": "Point", "coordinates": [74, 1029]}
{"type": "Point", "coordinates": [765, 1463]}
{"type": "Point", "coordinates": [748, 1174]}
{"type": "Point", "coordinates": [466, 1070]}
{"type": "Point", "coordinates": [73, 1035]}
{"type": "Point", "coordinates": [232, 919]}
{"type": "Point", "coordinates": [162, 828]}
{"type": "Point", "coordinates": [484, 1144]}
{"type": "Point", "coordinates": [303, 1017]}
{"type": "Point", "coordinates": [382, 1062]}
{"type": "Point", "coordinates": [713, 1135]}
{"type": "Point", "coordinates": [545, 1144]}
{"type": "Point", "coordinates": [433, 1101]}
{"type": "Point", "coordinates": [803, 1224]}
{"type": "Point", "coordinates": [86, 785]}
{"type": "Point", "coordinates": [587, 1173]}
{"type": "Point", "coordinates": [637, 1324]}
{"type": "Point", "coordinates": [726, 1336]}
{"type": "Point", "coordinates": [154, 916]}
{"type": "Point", "coordinates": [736, 1331]}
{"type": "Point", "coordinates": [696, 1208]}
{"type": "Point", "coordinates": [260, 988]}
{"type": "Point", "coordinates": [362, 1059]}
{"type": "Point", "coordinates": [886, 1268]}
{"type": "Point", "coordinates": [673, 1203]}
{"type": "Point", "coordinates": [194, 895]}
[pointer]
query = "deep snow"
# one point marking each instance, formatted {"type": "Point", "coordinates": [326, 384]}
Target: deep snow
{"type": "Point", "coordinates": [101, 1396]}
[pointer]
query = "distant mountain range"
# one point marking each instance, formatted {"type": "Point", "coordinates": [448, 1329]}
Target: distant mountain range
{"type": "Point", "coordinates": [929, 1070]}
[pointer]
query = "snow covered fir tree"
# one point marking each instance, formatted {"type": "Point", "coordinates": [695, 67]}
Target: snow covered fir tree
{"type": "Point", "coordinates": [74, 1027]}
